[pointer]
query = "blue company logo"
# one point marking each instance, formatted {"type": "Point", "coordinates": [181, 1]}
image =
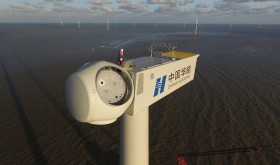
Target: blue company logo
{"type": "Point", "coordinates": [160, 84]}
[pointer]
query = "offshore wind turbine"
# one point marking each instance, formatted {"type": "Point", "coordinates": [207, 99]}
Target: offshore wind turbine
{"type": "Point", "coordinates": [133, 19]}
{"type": "Point", "coordinates": [108, 24]}
{"type": "Point", "coordinates": [81, 95]}
{"type": "Point", "coordinates": [155, 17]}
{"type": "Point", "coordinates": [196, 21]}
{"type": "Point", "coordinates": [78, 23]}
{"type": "Point", "coordinates": [184, 21]}
{"type": "Point", "coordinates": [230, 26]}
{"type": "Point", "coordinates": [61, 23]}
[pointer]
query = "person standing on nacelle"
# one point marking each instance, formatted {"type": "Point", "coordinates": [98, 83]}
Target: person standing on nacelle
{"type": "Point", "coordinates": [120, 57]}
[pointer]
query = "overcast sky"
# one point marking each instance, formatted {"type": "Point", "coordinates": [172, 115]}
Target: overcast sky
{"type": "Point", "coordinates": [144, 11]}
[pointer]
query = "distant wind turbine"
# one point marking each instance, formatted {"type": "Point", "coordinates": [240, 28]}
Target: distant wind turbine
{"type": "Point", "coordinates": [230, 26]}
{"type": "Point", "coordinates": [79, 24]}
{"type": "Point", "coordinates": [196, 21]}
{"type": "Point", "coordinates": [155, 17]}
{"type": "Point", "coordinates": [156, 23]}
{"type": "Point", "coordinates": [61, 23]}
{"type": "Point", "coordinates": [108, 24]}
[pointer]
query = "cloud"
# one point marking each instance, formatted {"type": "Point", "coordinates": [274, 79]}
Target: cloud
{"type": "Point", "coordinates": [229, 7]}
{"type": "Point", "coordinates": [103, 6]}
{"type": "Point", "coordinates": [258, 11]}
{"type": "Point", "coordinates": [68, 8]}
{"type": "Point", "coordinates": [133, 8]}
{"type": "Point", "coordinates": [236, 1]}
{"type": "Point", "coordinates": [169, 6]}
{"type": "Point", "coordinates": [25, 7]}
{"type": "Point", "coordinates": [161, 1]}
{"type": "Point", "coordinates": [242, 7]}
{"type": "Point", "coordinates": [123, 1]}
{"type": "Point", "coordinates": [244, 1]}
{"type": "Point", "coordinates": [202, 8]}
{"type": "Point", "coordinates": [277, 10]}
{"type": "Point", "coordinates": [172, 3]}
{"type": "Point", "coordinates": [185, 2]}
{"type": "Point", "coordinates": [68, 1]}
{"type": "Point", "coordinates": [265, 0]}
{"type": "Point", "coordinates": [167, 10]}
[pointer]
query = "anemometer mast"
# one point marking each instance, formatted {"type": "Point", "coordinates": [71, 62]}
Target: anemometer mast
{"type": "Point", "coordinates": [101, 92]}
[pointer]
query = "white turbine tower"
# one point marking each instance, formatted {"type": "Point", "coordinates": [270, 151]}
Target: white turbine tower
{"type": "Point", "coordinates": [61, 23]}
{"type": "Point", "coordinates": [230, 26]}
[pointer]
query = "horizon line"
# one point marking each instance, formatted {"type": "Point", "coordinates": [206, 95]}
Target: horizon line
{"type": "Point", "coordinates": [138, 23]}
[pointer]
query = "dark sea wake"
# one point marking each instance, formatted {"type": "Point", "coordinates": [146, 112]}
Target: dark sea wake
{"type": "Point", "coordinates": [232, 103]}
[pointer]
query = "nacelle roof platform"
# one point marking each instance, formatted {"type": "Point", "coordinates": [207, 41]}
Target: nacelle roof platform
{"type": "Point", "coordinates": [149, 62]}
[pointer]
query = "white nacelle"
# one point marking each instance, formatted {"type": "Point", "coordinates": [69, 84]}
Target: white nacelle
{"type": "Point", "coordinates": [100, 92]}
